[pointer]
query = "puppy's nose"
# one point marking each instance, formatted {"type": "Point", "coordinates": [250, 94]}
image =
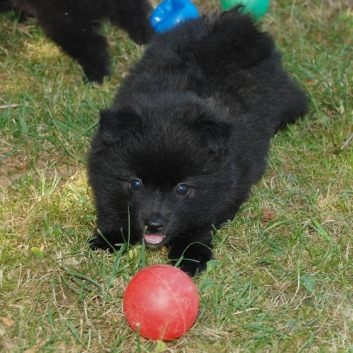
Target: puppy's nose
{"type": "Point", "coordinates": [154, 224]}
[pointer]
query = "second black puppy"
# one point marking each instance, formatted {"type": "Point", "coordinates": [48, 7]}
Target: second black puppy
{"type": "Point", "coordinates": [74, 24]}
{"type": "Point", "coordinates": [188, 135]}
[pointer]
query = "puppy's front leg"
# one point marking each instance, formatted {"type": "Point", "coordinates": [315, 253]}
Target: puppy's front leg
{"type": "Point", "coordinates": [192, 253]}
{"type": "Point", "coordinates": [111, 240]}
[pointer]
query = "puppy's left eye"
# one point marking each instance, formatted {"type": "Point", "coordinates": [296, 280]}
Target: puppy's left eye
{"type": "Point", "coordinates": [135, 184]}
{"type": "Point", "coordinates": [182, 189]}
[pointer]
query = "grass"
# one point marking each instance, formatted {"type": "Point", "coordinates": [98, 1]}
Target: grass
{"type": "Point", "coordinates": [282, 280]}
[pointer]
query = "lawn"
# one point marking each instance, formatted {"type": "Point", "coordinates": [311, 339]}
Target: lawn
{"type": "Point", "coordinates": [282, 278]}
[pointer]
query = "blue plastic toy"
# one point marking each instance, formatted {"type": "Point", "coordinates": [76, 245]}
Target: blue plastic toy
{"type": "Point", "coordinates": [171, 12]}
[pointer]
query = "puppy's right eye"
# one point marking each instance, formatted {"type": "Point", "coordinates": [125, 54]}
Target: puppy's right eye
{"type": "Point", "coordinates": [183, 189]}
{"type": "Point", "coordinates": [135, 184]}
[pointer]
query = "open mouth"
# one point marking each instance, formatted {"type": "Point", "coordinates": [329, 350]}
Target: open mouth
{"type": "Point", "coordinates": [154, 239]}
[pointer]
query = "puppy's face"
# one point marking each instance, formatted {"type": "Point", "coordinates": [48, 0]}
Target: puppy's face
{"type": "Point", "coordinates": [163, 171]}
{"type": "Point", "coordinates": [158, 213]}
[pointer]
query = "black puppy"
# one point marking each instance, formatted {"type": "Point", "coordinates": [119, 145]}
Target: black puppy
{"type": "Point", "coordinates": [188, 135]}
{"type": "Point", "coordinates": [73, 25]}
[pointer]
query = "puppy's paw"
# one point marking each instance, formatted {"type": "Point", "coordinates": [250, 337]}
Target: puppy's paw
{"type": "Point", "coordinates": [193, 260]}
{"type": "Point", "coordinates": [191, 267]}
{"type": "Point", "coordinates": [92, 74]}
{"type": "Point", "coordinates": [104, 243]}
{"type": "Point", "coordinates": [98, 243]}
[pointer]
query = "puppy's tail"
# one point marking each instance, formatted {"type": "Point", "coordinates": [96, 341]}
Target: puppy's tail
{"type": "Point", "coordinates": [234, 37]}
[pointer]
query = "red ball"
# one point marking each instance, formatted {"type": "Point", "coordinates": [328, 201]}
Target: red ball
{"type": "Point", "coordinates": [161, 302]}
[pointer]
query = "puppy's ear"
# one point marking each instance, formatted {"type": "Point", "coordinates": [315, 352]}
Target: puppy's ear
{"type": "Point", "coordinates": [116, 123]}
{"type": "Point", "coordinates": [215, 133]}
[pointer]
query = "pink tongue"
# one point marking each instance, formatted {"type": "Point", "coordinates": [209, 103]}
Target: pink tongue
{"type": "Point", "coordinates": [154, 239]}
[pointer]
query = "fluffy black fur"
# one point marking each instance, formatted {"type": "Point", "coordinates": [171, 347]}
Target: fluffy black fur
{"type": "Point", "coordinates": [188, 135]}
{"type": "Point", "coordinates": [74, 25]}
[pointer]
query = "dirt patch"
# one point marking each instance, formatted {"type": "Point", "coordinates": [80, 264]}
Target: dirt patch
{"type": "Point", "coordinates": [12, 167]}
{"type": "Point", "coordinates": [19, 164]}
